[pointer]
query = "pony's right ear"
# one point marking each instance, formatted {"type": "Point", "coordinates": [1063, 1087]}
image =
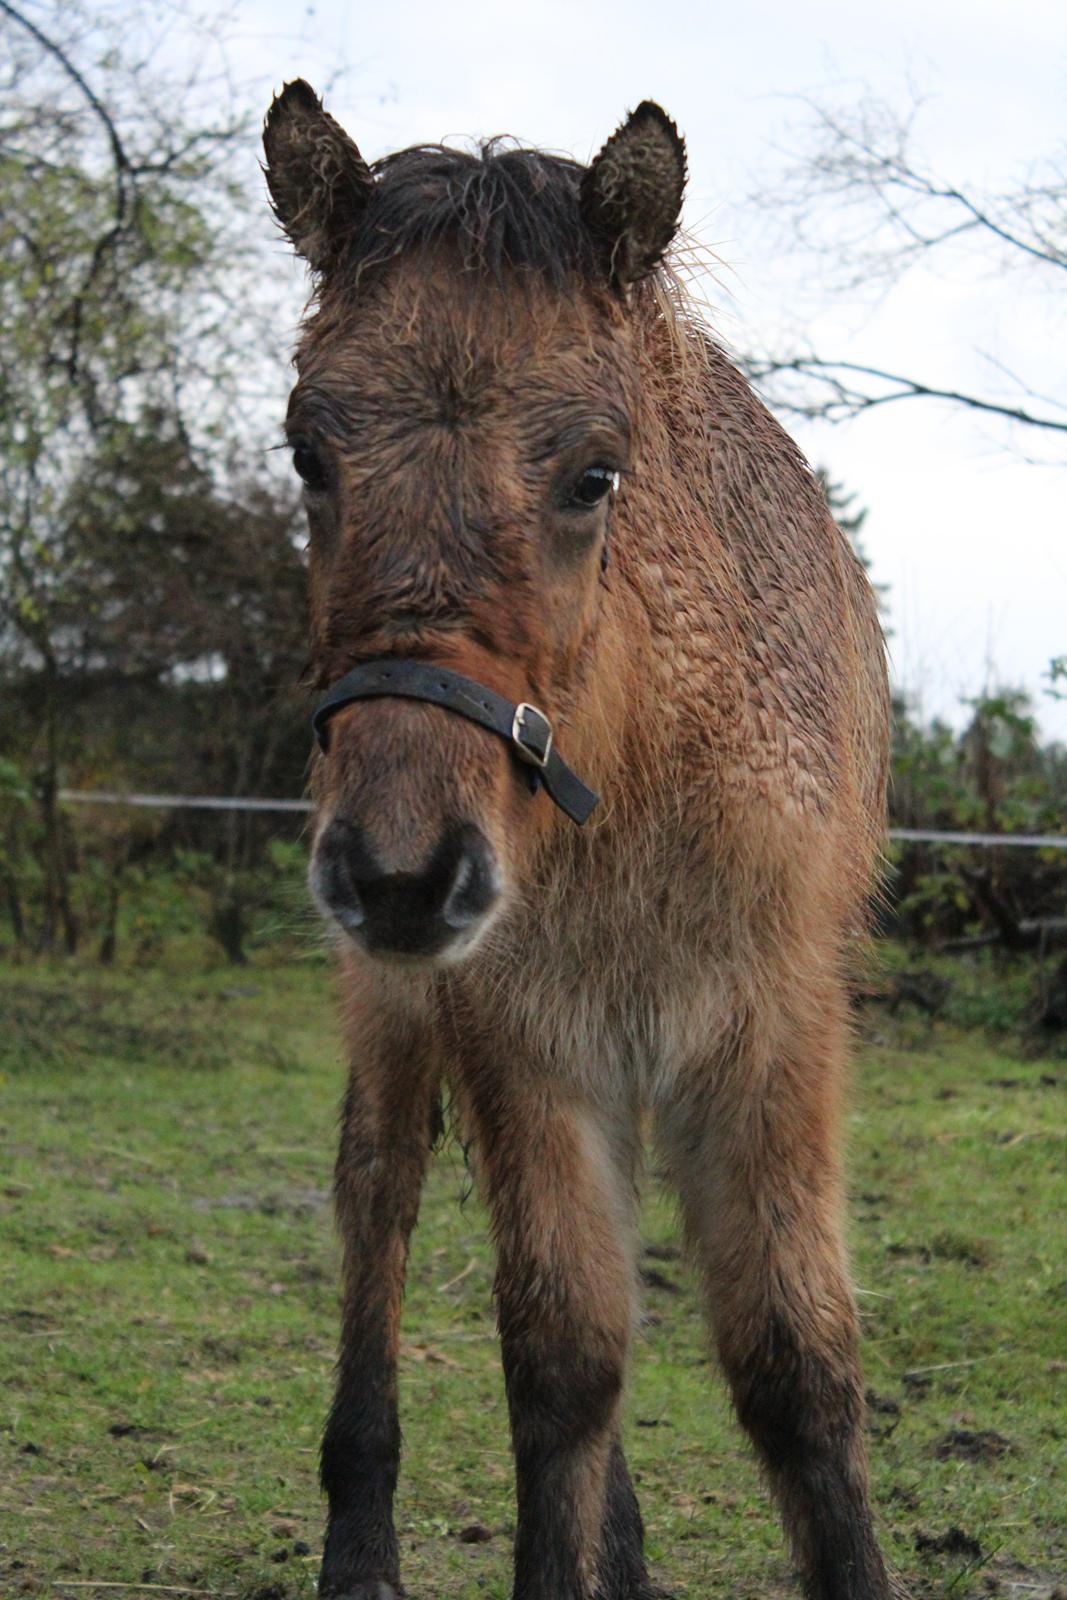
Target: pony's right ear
{"type": "Point", "coordinates": [318, 181]}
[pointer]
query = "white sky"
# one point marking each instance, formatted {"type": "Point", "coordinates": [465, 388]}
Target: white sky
{"type": "Point", "coordinates": [971, 538]}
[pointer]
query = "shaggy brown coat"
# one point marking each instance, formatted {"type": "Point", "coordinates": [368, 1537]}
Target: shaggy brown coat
{"type": "Point", "coordinates": [488, 328]}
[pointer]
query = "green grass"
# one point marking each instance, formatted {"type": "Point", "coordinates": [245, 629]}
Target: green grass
{"type": "Point", "coordinates": [168, 1292]}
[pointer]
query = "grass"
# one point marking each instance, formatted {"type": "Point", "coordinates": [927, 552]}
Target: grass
{"type": "Point", "coordinates": [168, 1293]}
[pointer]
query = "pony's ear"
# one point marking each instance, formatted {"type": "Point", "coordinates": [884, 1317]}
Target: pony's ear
{"type": "Point", "coordinates": [631, 195]}
{"type": "Point", "coordinates": [318, 181]}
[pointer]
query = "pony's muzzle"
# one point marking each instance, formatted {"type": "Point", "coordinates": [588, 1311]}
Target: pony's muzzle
{"type": "Point", "coordinates": [436, 910]}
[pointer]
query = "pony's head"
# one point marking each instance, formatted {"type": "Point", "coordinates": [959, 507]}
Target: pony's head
{"type": "Point", "coordinates": [466, 403]}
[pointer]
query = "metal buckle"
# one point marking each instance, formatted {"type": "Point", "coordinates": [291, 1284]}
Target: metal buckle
{"type": "Point", "coordinates": [531, 734]}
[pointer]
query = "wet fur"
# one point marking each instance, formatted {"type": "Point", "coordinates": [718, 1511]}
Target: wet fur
{"type": "Point", "coordinates": [682, 958]}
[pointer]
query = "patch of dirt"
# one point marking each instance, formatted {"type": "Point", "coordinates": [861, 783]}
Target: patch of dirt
{"type": "Point", "coordinates": [945, 1247]}
{"type": "Point", "coordinates": [221, 1349]}
{"type": "Point", "coordinates": [133, 1430]}
{"type": "Point", "coordinates": [474, 1533]}
{"type": "Point", "coordinates": [662, 1252]}
{"type": "Point", "coordinates": [41, 1322]}
{"type": "Point", "coordinates": [963, 1444]}
{"type": "Point", "coordinates": [972, 1252]}
{"type": "Point", "coordinates": [658, 1280]}
{"type": "Point", "coordinates": [953, 1542]}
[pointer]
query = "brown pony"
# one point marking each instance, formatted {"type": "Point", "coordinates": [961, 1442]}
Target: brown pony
{"type": "Point", "coordinates": [526, 463]}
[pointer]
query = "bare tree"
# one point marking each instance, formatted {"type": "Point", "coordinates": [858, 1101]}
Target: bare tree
{"type": "Point", "coordinates": [120, 299]}
{"type": "Point", "coordinates": [864, 204]}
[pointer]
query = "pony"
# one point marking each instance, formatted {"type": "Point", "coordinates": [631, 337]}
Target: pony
{"type": "Point", "coordinates": [599, 808]}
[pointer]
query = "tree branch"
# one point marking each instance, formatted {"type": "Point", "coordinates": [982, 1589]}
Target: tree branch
{"type": "Point", "coordinates": [50, 47]}
{"type": "Point", "coordinates": [846, 401]}
{"type": "Point", "coordinates": [868, 210]}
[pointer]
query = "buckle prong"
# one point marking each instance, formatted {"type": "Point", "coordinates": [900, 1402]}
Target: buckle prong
{"type": "Point", "coordinates": [531, 735]}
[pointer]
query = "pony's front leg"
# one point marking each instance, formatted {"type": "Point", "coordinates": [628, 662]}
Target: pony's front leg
{"type": "Point", "coordinates": [561, 1204]}
{"type": "Point", "coordinates": [753, 1151]}
{"type": "Point", "coordinates": [387, 1128]}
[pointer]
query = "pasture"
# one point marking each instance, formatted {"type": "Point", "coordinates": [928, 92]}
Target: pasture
{"type": "Point", "coordinates": [168, 1292]}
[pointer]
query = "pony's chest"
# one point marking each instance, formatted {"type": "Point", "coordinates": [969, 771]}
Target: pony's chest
{"type": "Point", "coordinates": [611, 991]}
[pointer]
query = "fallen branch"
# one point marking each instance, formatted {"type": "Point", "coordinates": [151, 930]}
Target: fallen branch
{"type": "Point", "coordinates": [158, 1588]}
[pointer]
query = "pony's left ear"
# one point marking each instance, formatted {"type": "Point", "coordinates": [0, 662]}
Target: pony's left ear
{"type": "Point", "coordinates": [631, 195]}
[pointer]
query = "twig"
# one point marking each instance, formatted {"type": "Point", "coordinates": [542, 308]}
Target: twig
{"type": "Point", "coordinates": [943, 1366]}
{"type": "Point", "coordinates": [451, 1284]}
{"type": "Point", "coordinates": [126, 1155]}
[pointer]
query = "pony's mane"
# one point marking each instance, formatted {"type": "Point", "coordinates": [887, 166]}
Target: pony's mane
{"type": "Point", "coordinates": [504, 208]}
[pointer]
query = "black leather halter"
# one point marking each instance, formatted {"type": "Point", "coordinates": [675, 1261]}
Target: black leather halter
{"type": "Point", "coordinates": [527, 731]}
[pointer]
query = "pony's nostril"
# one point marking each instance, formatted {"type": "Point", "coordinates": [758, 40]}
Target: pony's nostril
{"type": "Point", "coordinates": [473, 887]}
{"type": "Point", "coordinates": [333, 874]}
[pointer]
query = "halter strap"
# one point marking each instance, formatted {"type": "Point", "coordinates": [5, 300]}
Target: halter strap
{"type": "Point", "coordinates": [526, 730]}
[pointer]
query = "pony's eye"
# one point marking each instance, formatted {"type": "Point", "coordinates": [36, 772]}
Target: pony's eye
{"type": "Point", "coordinates": [308, 465]}
{"type": "Point", "coordinates": [593, 485]}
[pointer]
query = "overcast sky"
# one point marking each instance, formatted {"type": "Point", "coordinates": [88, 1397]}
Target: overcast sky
{"type": "Point", "coordinates": [971, 538]}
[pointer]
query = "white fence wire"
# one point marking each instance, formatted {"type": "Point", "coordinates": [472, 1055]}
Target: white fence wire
{"type": "Point", "coordinates": [179, 802]}
{"type": "Point", "coordinates": [217, 802]}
